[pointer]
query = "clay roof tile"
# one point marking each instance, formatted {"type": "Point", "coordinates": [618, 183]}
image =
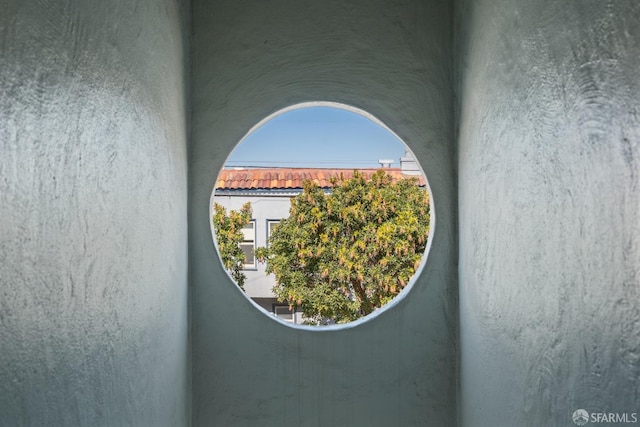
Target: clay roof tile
{"type": "Point", "coordinates": [291, 178]}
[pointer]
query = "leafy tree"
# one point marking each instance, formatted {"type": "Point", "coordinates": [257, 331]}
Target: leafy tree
{"type": "Point", "coordinates": [342, 255]}
{"type": "Point", "coordinates": [228, 230]}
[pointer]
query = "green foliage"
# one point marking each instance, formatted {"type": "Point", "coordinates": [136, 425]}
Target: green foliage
{"type": "Point", "coordinates": [342, 255]}
{"type": "Point", "coordinates": [228, 230]}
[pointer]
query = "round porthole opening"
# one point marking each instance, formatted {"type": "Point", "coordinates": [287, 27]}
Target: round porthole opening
{"type": "Point", "coordinates": [321, 215]}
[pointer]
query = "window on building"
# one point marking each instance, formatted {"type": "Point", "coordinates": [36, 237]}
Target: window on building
{"type": "Point", "coordinates": [283, 312]}
{"type": "Point", "coordinates": [248, 244]}
{"type": "Point", "coordinates": [271, 224]}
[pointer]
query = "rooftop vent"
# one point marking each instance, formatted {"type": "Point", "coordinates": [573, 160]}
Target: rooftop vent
{"type": "Point", "coordinates": [408, 164]}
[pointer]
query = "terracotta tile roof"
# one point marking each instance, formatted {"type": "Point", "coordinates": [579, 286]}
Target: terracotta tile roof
{"type": "Point", "coordinates": [291, 178]}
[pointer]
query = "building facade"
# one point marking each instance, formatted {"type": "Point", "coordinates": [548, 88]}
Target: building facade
{"type": "Point", "coordinates": [269, 190]}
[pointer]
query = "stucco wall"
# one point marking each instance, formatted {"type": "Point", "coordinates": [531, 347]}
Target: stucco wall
{"type": "Point", "coordinates": [93, 310]}
{"type": "Point", "coordinates": [93, 253]}
{"type": "Point", "coordinates": [549, 190]}
{"type": "Point", "coordinates": [391, 59]}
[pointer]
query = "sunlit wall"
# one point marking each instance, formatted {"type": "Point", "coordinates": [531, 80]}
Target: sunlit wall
{"type": "Point", "coordinates": [93, 228]}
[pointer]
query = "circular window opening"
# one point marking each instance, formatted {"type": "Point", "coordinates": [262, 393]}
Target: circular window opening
{"type": "Point", "coordinates": [321, 215]}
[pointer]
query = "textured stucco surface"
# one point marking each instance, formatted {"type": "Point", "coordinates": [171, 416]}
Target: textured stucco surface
{"type": "Point", "coordinates": [391, 59]}
{"type": "Point", "coordinates": [93, 195]}
{"type": "Point", "coordinates": [549, 200]}
{"type": "Point", "coordinates": [93, 200]}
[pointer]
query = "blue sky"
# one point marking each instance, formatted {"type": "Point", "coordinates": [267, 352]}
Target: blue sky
{"type": "Point", "coordinates": [317, 137]}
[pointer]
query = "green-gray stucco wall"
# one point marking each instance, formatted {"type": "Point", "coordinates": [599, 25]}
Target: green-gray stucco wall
{"type": "Point", "coordinates": [523, 114]}
{"type": "Point", "coordinates": [549, 200]}
{"type": "Point", "coordinates": [93, 214]}
{"type": "Point", "coordinates": [393, 60]}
